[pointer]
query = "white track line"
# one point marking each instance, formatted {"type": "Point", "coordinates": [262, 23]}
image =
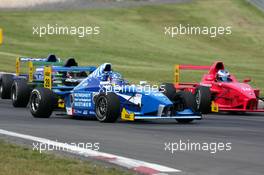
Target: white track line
{"type": "Point", "coordinates": [132, 164]}
{"type": "Point", "coordinates": [6, 73]}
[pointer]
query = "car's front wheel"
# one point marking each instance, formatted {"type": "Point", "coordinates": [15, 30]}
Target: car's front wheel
{"type": "Point", "coordinates": [107, 107]}
{"type": "Point", "coordinates": [42, 102]}
{"type": "Point", "coordinates": [187, 101]}
{"type": "Point", "coordinates": [169, 90]}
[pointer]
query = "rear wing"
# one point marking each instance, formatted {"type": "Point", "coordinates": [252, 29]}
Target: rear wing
{"type": "Point", "coordinates": [27, 59]}
{"type": "Point", "coordinates": [53, 74]}
{"type": "Point", "coordinates": [179, 67]}
{"type": "Point", "coordinates": [32, 62]}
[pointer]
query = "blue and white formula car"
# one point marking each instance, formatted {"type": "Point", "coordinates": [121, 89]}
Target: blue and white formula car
{"type": "Point", "coordinates": [42, 72]}
{"type": "Point", "coordinates": [104, 94]}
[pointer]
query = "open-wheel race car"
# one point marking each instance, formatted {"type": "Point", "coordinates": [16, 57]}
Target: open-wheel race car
{"type": "Point", "coordinates": [104, 94]}
{"type": "Point", "coordinates": [7, 79]}
{"type": "Point", "coordinates": [219, 90]}
{"type": "Point", "coordinates": [65, 76]}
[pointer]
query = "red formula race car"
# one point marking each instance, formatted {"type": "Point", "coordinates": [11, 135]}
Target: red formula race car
{"type": "Point", "coordinates": [219, 90]}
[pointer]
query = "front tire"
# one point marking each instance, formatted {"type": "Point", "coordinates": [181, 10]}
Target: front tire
{"type": "Point", "coordinates": [20, 93]}
{"type": "Point", "coordinates": [5, 86]}
{"type": "Point", "coordinates": [42, 102]}
{"type": "Point", "coordinates": [107, 107]}
{"type": "Point", "coordinates": [187, 101]}
{"type": "Point", "coordinates": [168, 90]}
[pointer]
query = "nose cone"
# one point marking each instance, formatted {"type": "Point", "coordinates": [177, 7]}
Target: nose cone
{"type": "Point", "coordinates": [247, 90]}
{"type": "Point", "coordinates": [152, 100]}
{"type": "Point", "coordinates": [244, 89]}
{"type": "Point", "coordinates": [163, 99]}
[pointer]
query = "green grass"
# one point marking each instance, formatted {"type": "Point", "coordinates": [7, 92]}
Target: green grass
{"type": "Point", "coordinates": [16, 160]}
{"type": "Point", "coordinates": [133, 38]}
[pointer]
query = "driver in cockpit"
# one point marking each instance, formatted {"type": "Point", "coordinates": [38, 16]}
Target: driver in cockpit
{"type": "Point", "coordinates": [223, 76]}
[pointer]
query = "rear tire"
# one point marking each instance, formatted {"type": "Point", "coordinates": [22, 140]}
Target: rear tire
{"type": "Point", "coordinates": [20, 93]}
{"type": "Point", "coordinates": [203, 99]}
{"type": "Point", "coordinates": [5, 86]}
{"type": "Point", "coordinates": [107, 107]}
{"type": "Point", "coordinates": [188, 101]}
{"type": "Point", "coordinates": [42, 102]}
{"type": "Point", "coordinates": [169, 90]}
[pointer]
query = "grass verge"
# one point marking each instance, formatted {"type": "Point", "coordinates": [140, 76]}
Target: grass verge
{"type": "Point", "coordinates": [17, 160]}
{"type": "Point", "coordinates": [133, 38]}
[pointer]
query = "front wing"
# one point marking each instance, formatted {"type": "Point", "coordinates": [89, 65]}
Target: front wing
{"type": "Point", "coordinates": [186, 114]}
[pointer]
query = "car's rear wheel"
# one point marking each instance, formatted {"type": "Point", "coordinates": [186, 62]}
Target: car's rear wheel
{"type": "Point", "coordinates": [6, 81]}
{"type": "Point", "coordinates": [187, 100]}
{"type": "Point", "coordinates": [203, 99]}
{"type": "Point", "coordinates": [107, 107]}
{"type": "Point", "coordinates": [42, 102]}
{"type": "Point", "coordinates": [168, 90]}
{"type": "Point", "coordinates": [20, 93]}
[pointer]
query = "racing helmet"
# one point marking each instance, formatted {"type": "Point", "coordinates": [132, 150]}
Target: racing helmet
{"type": "Point", "coordinates": [105, 76]}
{"type": "Point", "coordinates": [116, 78]}
{"type": "Point", "coordinates": [223, 75]}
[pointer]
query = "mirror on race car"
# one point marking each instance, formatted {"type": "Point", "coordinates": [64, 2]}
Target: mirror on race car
{"type": "Point", "coordinates": [143, 83]}
{"type": "Point", "coordinates": [209, 78]}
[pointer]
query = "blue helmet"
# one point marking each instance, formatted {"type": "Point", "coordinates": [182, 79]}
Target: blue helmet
{"type": "Point", "coordinates": [116, 78]}
{"type": "Point", "coordinates": [113, 77]}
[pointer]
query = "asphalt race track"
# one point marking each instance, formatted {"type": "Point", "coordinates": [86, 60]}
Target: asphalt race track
{"type": "Point", "coordinates": [145, 140]}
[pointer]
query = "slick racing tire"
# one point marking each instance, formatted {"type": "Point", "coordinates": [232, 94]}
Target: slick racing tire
{"type": "Point", "coordinates": [42, 102]}
{"type": "Point", "coordinates": [20, 93]}
{"type": "Point", "coordinates": [203, 99]}
{"type": "Point", "coordinates": [107, 107]}
{"type": "Point", "coordinates": [6, 81]}
{"type": "Point", "coordinates": [188, 101]}
{"type": "Point", "coordinates": [168, 90]}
